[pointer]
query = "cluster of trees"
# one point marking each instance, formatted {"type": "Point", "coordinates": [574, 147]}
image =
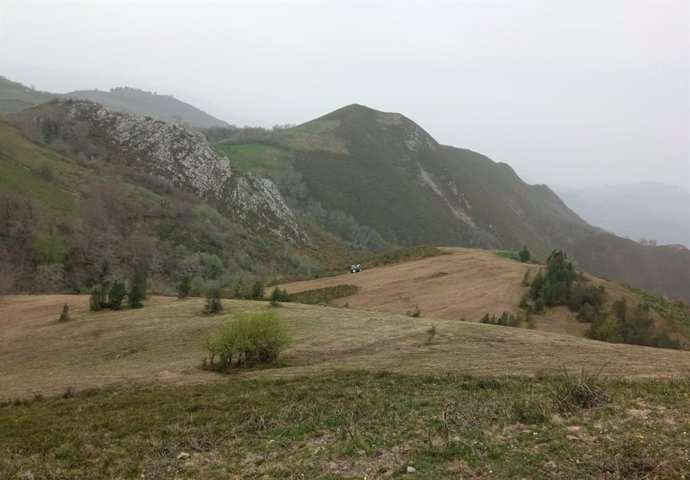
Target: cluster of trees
{"type": "Point", "coordinates": [109, 293]}
{"type": "Point", "coordinates": [630, 325]}
{"type": "Point", "coordinates": [214, 295]}
{"type": "Point", "coordinates": [173, 238]}
{"type": "Point", "coordinates": [505, 319]}
{"type": "Point", "coordinates": [561, 284]}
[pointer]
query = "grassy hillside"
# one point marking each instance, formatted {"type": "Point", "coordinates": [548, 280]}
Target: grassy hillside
{"type": "Point", "coordinates": [162, 107]}
{"type": "Point", "coordinates": [390, 176]}
{"type": "Point", "coordinates": [15, 96]}
{"type": "Point", "coordinates": [466, 284]}
{"type": "Point", "coordinates": [359, 394]}
{"type": "Point", "coordinates": [255, 157]}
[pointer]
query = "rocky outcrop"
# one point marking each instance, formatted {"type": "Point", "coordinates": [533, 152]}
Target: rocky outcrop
{"type": "Point", "coordinates": [181, 156]}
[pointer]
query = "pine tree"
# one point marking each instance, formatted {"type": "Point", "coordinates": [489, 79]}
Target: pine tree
{"type": "Point", "coordinates": [137, 290]}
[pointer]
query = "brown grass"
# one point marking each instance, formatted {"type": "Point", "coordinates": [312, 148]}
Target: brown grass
{"type": "Point", "coordinates": [162, 343]}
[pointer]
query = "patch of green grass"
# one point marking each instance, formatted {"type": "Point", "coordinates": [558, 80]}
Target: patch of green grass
{"type": "Point", "coordinates": [353, 425]}
{"type": "Point", "coordinates": [509, 254]}
{"type": "Point", "coordinates": [37, 172]}
{"type": "Point", "coordinates": [322, 296]}
{"type": "Point", "coordinates": [513, 255]}
{"type": "Point", "coordinates": [254, 157]}
{"type": "Point", "coordinates": [24, 182]}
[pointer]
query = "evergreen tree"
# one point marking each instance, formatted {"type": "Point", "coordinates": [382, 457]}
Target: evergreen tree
{"type": "Point", "coordinates": [137, 290]}
{"type": "Point", "coordinates": [184, 287]}
{"type": "Point", "coordinates": [116, 295]}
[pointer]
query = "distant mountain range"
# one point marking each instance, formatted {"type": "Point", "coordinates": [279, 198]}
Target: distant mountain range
{"type": "Point", "coordinates": [161, 107]}
{"type": "Point", "coordinates": [15, 97]}
{"type": "Point", "coordinates": [648, 211]}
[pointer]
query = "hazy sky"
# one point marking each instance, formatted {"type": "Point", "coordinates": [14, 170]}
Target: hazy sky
{"type": "Point", "coordinates": [572, 93]}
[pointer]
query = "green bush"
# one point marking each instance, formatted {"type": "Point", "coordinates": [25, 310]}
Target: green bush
{"type": "Point", "coordinates": [257, 290]}
{"type": "Point", "coordinates": [279, 295]}
{"type": "Point", "coordinates": [97, 301]}
{"type": "Point", "coordinates": [184, 288]}
{"type": "Point", "coordinates": [524, 255]}
{"type": "Point", "coordinates": [116, 295]}
{"type": "Point", "coordinates": [213, 302]}
{"type": "Point", "coordinates": [253, 338]}
{"type": "Point", "coordinates": [582, 294]}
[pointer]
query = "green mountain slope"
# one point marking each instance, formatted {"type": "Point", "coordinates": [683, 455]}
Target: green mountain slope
{"type": "Point", "coordinates": [161, 107]}
{"type": "Point", "coordinates": [99, 188]}
{"type": "Point", "coordinates": [389, 174]}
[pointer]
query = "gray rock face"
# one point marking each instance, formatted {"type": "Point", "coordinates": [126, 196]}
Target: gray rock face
{"type": "Point", "coordinates": [183, 157]}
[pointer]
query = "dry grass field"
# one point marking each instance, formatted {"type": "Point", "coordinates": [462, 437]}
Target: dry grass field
{"type": "Point", "coordinates": [162, 343]}
{"type": "Point", "coordinates": [360, 392]}
{"type": "Point", "coordinates": [465, 284]}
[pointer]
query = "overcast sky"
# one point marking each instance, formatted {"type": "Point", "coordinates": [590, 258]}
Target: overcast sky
{"type": "Point", "coordinates": [574, 93]}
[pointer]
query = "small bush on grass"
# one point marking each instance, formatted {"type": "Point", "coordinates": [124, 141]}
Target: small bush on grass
{"type": "Point", "coordinates": [213, 302]}
{"type": "Point", "coordinates": [184, 288]}
{"type": "Point", "coordinates": [416, 312]}
{"type": "Point", "coordinates": [253, 338]}
{"type": "Point", "coordinates": [278, 296]}
{"type": "Point", "coordinates": [64, 316]}
{"type": "Point", "coordinates": [97, 301]}
{"type": "Point", "coordinates": [257, 290]}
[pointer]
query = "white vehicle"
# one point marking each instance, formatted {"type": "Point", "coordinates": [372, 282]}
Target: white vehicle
{"type": "Point", "coordinates": [356, 267]}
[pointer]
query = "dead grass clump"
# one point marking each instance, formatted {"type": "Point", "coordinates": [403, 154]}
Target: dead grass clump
{"type": "Point", "coordinates": [586, 392]}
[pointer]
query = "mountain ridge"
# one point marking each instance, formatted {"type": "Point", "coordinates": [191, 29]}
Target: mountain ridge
{"type": "Point", "coordinates": [162, 107]}
{"type": "Point", "coordinates": [391, 175]}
